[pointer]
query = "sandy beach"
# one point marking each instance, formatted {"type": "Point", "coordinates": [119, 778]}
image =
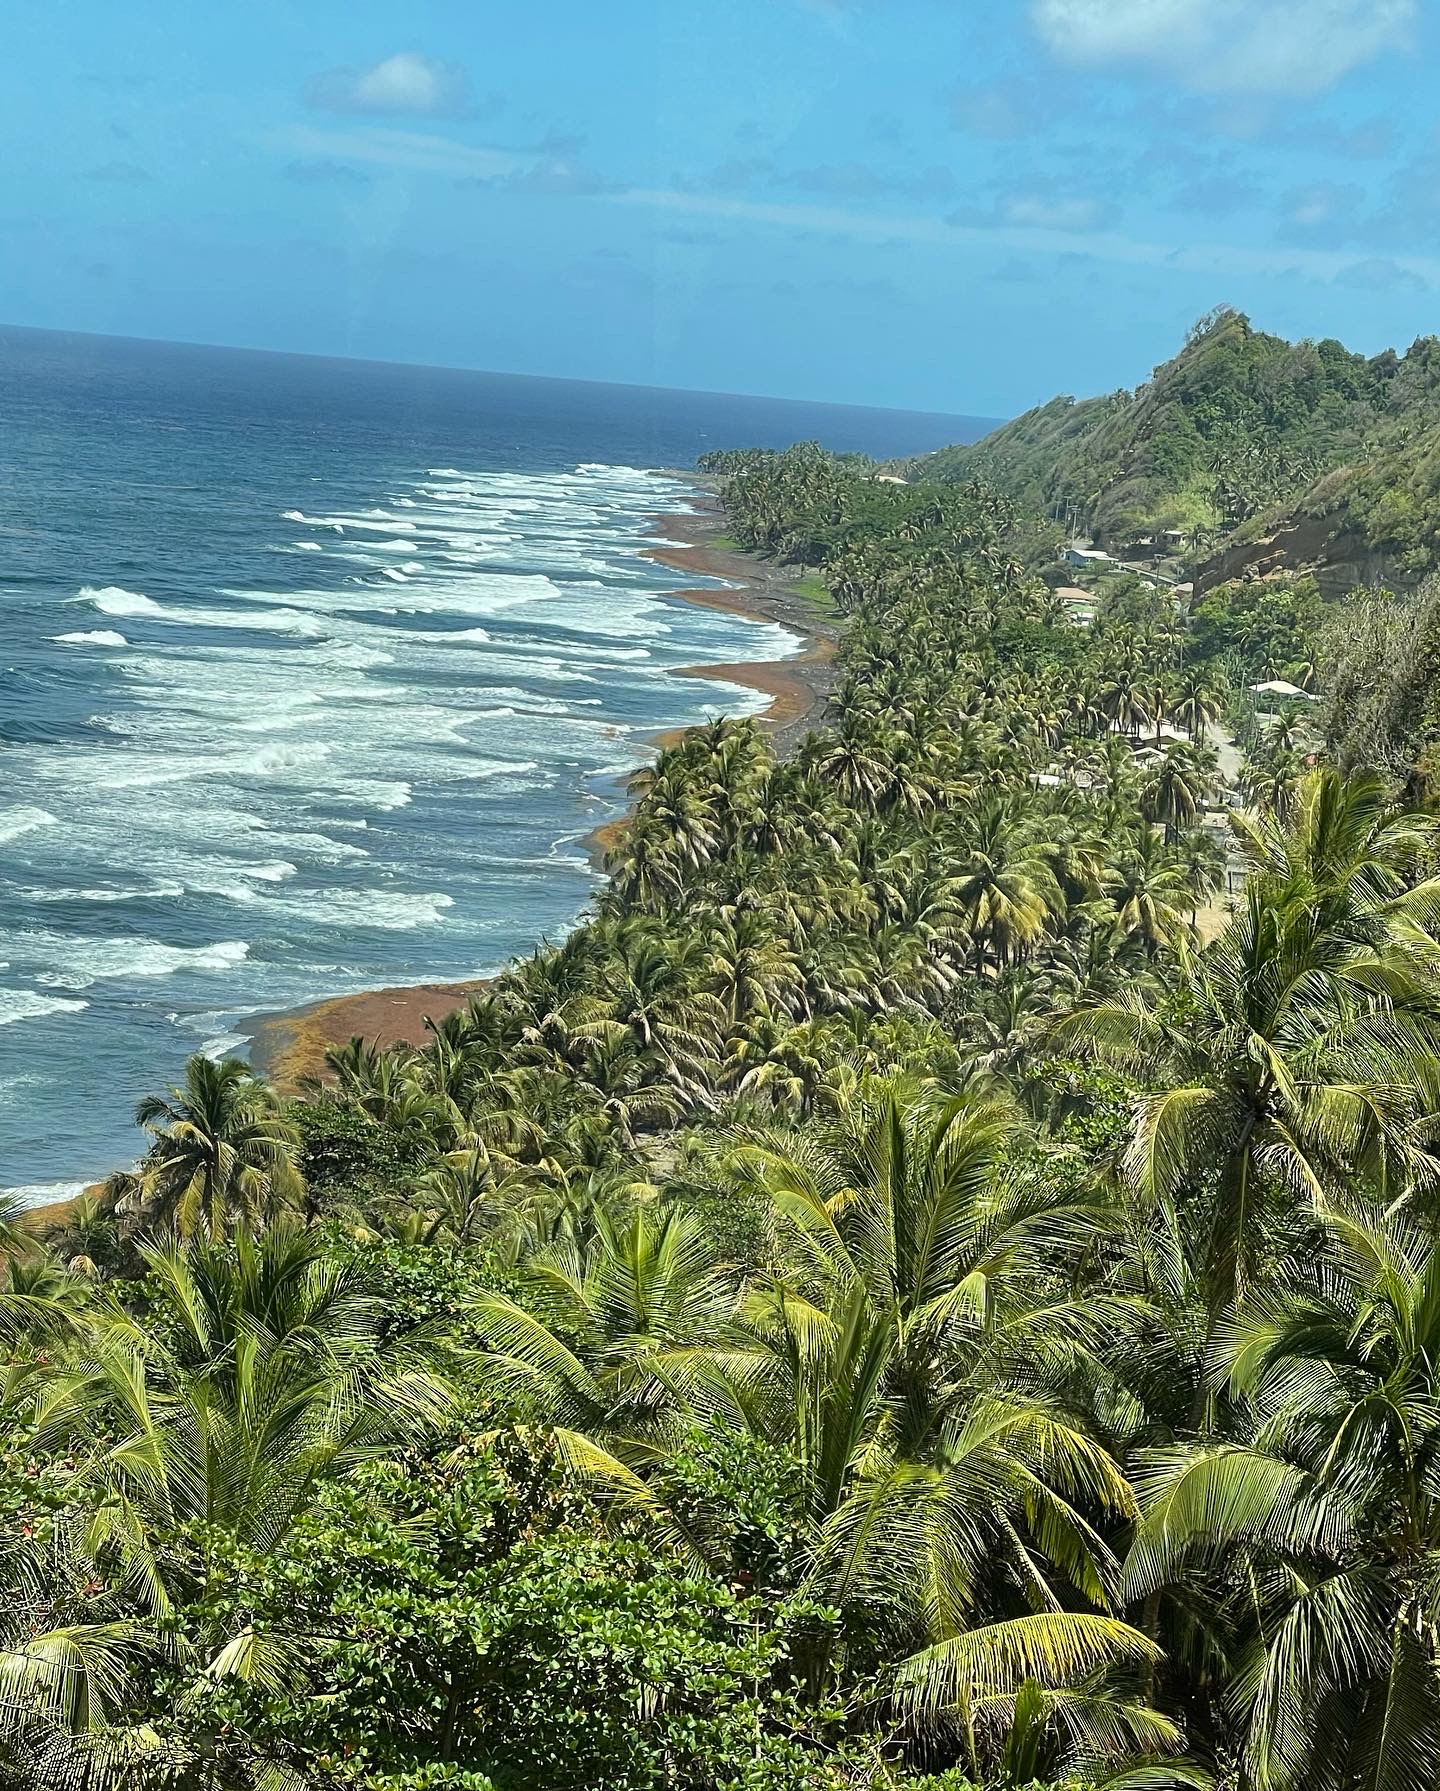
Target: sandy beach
{"type": "Point", "coordinates": [798, 687]}
{"type": "Point", "coordinates": [290, 1047]}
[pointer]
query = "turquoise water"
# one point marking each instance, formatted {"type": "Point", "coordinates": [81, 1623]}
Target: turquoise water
{"type": "Point", "coordinates": [313, 677]}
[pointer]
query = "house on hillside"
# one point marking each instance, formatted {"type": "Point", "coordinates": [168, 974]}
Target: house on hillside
{"type": "Point", "coordinates": [1079, 605]}
{"type": "Point", "coordinates": [1086, 558]}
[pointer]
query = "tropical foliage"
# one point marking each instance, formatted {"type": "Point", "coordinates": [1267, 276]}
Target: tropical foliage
{"type": "Point", "coordinates": [914, 1291]}
{"type": "Point", "coordinates": [1238, 436]}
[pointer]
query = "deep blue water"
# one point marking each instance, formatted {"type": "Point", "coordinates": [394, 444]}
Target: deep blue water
{"type": "Point", "coordinates": [313, 676]}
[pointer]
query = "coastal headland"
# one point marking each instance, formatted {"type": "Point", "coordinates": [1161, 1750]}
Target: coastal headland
{"type": "Point", "coordinates": [290, 1047]}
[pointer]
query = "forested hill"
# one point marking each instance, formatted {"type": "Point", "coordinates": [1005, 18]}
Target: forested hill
{"type": "Point", "coordinates": [1266, 453]}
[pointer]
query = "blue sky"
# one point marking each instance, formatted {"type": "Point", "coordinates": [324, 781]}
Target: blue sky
{"type": "Point", "coordinates": [957, 205]}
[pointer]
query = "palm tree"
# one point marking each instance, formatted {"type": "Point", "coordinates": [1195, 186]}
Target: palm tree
{"type": "Point", "coordinates": [1296, 1052]}
{"type": "Point", "coordinates": [260, 1369]}
{"type": "Point", "coordinates": [673, 810]}
{"type": "Point", "coordinates": [590, 1354]}
{"type": "Point", "coordinates": [752, 967]}
{"type": "Point", "coordinates": [222, 1154]}
{"type": "Point", "coordinates": [1150, 890]}
{"type": "Point", "coordinates": [1203, 859]}
{"type": "Point", "coordinates": [857, 762]}
{"type": "Point", "coordinates": [1005, 885]}
{"type": "Point", "coordinates": [1126, 700]}
{"type": "Point", "coordinates": [1177, 787]}
{"type": "Point", "coordinates": [73, 1659]}
{"type": "Point", "coordinates": [788, 1065]}
{"type": "Point", "coordinates": [910, 1365]}
{"type": "Point", "coordinates": [653, 994]}
{"type": "Point", "coordinates": [1197, 702]}
{"type": "Point", "coordinates": [1316, 1532]}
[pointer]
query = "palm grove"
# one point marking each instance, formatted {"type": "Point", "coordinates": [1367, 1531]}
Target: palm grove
{"type": "Point", "coordinates": [911, 1292]}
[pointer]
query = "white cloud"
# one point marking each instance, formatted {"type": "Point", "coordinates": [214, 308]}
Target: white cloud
{"type": "Point", "coordinates": [1324, 202]}
{"type": "Point", "coordinates": [1213, 260]}
{"type": "Point", "coordinates": [411, 151]}
{"type": "Point", "coordinates": [1228, 46]}
{"type": "Point", "coordinates": [404, 84]}
{"type": "Point", "coordinates": [1047, 213]}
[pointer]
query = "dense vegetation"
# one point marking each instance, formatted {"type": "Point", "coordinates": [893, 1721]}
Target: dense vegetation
{"type": "Point", "coordinates": [1237, 434]}
{"type": "Point", "coordinates": [904, 1295]}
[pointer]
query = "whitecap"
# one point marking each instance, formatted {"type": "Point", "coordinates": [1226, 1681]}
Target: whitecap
{"type": "Point", "coordinates": [279, 872]}
{"type": "Point", "coordinates": [374, 792]}
{"type": "Point", "coordinates": [275, 761]}
{"type": "Point", "coordinates": [25, 819]}
{"type": "Point", "coordinates": [30, 1194]}
{"type": "Point", "coordinates": [166, 891]}
{"type": "Point", "coordinates": [484, 768]}
{"type": "Point", "coordinates": [386, 910]}
{"type": "Point", "coordinates": [28, 1004]}
{"type": "Point", "coordinates": [81, 962]}
{"type": "Point", "coordinates": [93, 637]}
{"type": "Point", "coordinates": [115, 600]}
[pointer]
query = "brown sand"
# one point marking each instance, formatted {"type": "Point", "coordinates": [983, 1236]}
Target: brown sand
{"type": "Point", "coordinates": [798, 688]}
{"type": "Point", "coordinates": [54, 1213]}
{"type": "Point", "coordinates": [289, 1047]}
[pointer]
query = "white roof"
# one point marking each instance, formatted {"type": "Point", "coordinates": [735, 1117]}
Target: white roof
{"type": "Point", "coordinates": [1282, 687]}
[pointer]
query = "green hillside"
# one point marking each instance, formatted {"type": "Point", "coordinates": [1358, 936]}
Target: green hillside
{"type": "Point", "coordinates": [1241, 432]}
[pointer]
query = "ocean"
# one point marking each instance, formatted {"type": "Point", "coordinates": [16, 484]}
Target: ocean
{"type": "Point", "coordinates": [314, 675]}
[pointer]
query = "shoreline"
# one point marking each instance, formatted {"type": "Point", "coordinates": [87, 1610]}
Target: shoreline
{"type": "Point", "coordinates": [288, 1047]}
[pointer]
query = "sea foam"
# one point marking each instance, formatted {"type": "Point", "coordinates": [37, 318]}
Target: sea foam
{"type": "Point", "coordinates": [17, 821]}
{"type": "Point", "coordinates": [26, 1004]}
{"type": "Point", "coordinates": [80, 962]}
{"type": "Point", "coordinates": [216, 781]}
{"type": "Point", "coordinates": [115, 600]}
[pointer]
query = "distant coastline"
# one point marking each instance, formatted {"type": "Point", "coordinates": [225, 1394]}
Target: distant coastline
{"type": "Point", "coordinates": [289, 1047]}
{"type": "Point", "coordinates": [256, 595]}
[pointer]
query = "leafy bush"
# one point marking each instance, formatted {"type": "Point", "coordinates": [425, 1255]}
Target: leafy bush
{"type": "Point", "coordinates": [347, 1159]}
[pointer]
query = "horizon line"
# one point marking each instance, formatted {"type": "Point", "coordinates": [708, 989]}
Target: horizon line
{"type": "Point", "coordinates": [625, 385]}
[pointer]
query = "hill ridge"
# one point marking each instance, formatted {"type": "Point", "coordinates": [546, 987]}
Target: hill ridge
{"type": "Point", "coordinates": [1263, 454]}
